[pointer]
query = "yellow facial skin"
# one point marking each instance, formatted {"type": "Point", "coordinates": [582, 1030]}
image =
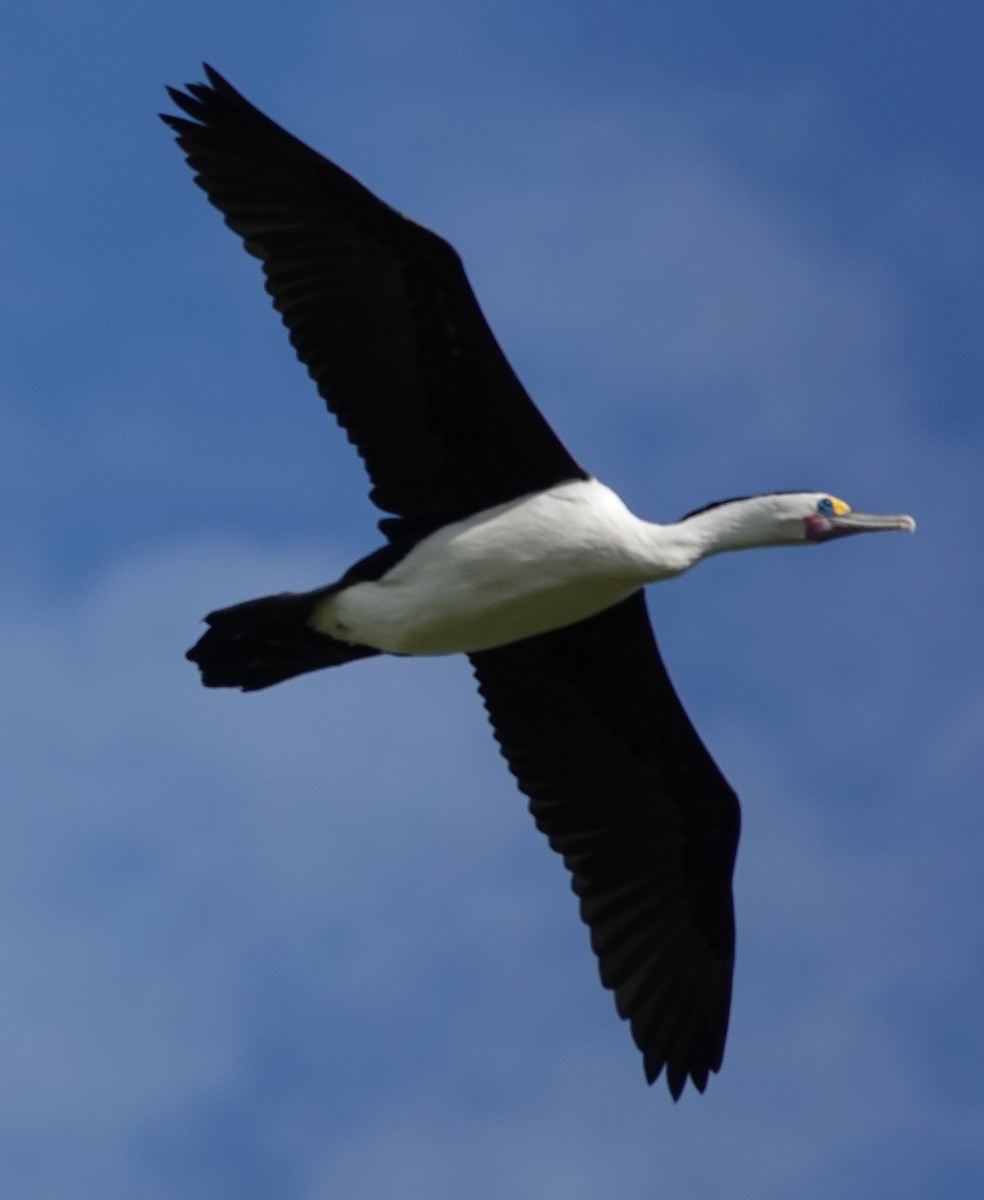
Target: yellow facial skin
{"type": "Point", "coordinates": [840, 508]}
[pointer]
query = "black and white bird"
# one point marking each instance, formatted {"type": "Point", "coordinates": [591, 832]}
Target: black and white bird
{"type": "Point", "coordinates": [499, 545]}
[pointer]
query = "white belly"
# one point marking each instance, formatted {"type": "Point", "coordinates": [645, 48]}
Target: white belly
{"type": "Point", "coordinates": [511, 572]}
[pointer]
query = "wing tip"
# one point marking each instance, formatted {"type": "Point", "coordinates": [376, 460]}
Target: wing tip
{"type": "Point", "coordinates": [677, 1073]}
{"type": "Point", "coordinates": [200, 100]}
{"type": "Point", "coordinates": [686, 1041]}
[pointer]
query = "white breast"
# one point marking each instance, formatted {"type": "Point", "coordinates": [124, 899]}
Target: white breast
{"type": "Point", "coordinates": [508, 573]}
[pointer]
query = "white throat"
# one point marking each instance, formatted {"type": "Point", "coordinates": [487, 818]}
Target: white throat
{"type": "Point", "coordinates": [744, 524]}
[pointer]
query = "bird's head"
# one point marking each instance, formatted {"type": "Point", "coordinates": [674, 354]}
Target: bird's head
{"type": "Point", "coordinates": [829, 518]}
{"type": "Point", "coordinates": [784, 519]}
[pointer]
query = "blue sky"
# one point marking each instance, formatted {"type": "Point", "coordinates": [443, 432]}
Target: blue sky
{"type": "Point", "coordinates": [308, 944]}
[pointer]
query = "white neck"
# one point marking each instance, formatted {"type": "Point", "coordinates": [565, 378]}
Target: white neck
{"type": "Point", "coordinates": [735, 525]}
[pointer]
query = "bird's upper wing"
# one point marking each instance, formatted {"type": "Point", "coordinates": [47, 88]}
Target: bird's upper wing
{"type": "Point", "coordinates": [624, 789]}
{"type": "Point", "coordinates": [381, 313]}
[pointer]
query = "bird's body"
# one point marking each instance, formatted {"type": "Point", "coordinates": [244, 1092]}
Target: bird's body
{"type": "Point", "coordinates": [499, 545]}
{"type": "Point", "coordinates": [507, 573]}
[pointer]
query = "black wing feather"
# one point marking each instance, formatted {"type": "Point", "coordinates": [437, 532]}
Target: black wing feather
{"type": "Point", "coordinates": [381, 313]}
{"type": "Point", "coordinates": [621, 784]}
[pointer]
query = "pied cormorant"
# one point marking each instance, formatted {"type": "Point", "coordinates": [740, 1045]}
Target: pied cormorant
{"type": "Point", "coordinates": [499, 546]}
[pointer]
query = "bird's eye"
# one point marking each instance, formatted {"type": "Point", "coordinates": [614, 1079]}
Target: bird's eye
{"type": "Point", "coordinates": [826, 506]}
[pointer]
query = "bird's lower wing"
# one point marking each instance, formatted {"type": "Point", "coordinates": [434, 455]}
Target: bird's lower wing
{"type": "Point", "coordinates": [624, 789]}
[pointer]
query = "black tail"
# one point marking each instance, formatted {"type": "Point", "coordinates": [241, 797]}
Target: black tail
{"type": "Point", "coordinates": [262, 642]}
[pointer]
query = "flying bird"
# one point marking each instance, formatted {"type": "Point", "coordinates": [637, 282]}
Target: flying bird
{"type": "Point", "coordinates": [499, 545]}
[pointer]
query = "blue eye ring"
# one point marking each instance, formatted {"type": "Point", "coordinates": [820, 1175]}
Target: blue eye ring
{"type": "Point", "coordinates": [826, 506]}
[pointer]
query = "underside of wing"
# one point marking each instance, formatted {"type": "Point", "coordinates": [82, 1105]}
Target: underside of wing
{"type": "Point", "coordinates": [381, 313]}
{"type": "Point", "coordinates": [624, 789]}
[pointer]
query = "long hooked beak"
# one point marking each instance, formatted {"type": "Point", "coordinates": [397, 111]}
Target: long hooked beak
{"type": "Point", "coordinates": [823, 527]}
{"type": "Point", "coordinates": [855, 522]}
